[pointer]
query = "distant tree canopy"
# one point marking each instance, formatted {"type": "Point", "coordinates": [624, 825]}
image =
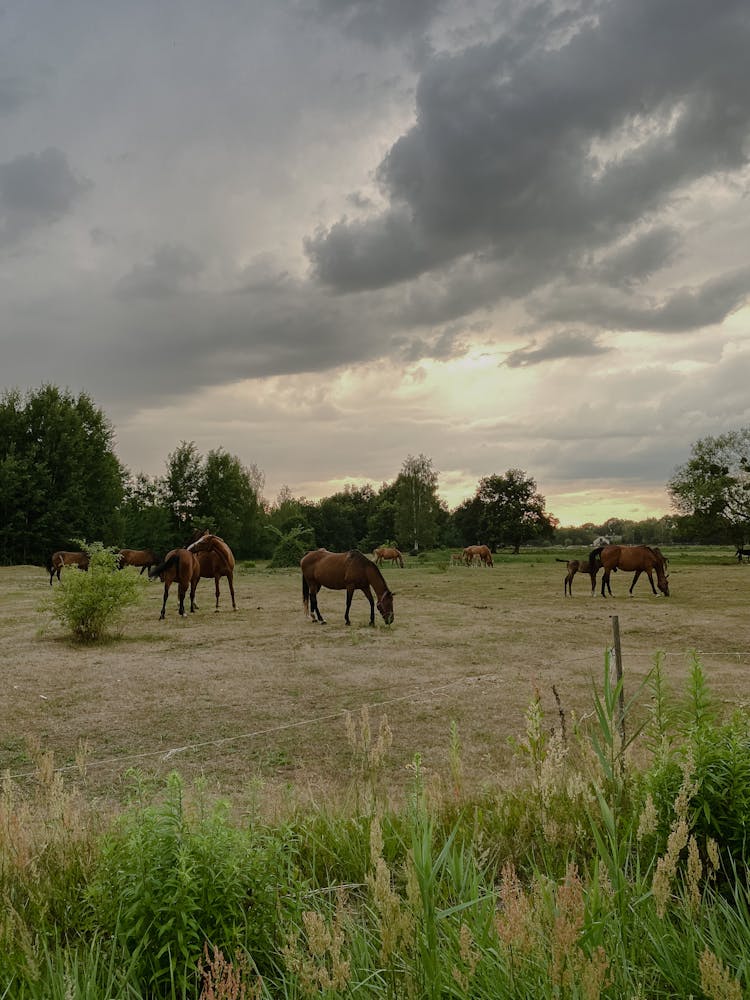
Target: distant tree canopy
{"type": "Point", "coordinates": [59, 477]}
{"type": "Point", "coordinates": [61, 481]}
{"type": "Point", "coordinates": [712, 489]}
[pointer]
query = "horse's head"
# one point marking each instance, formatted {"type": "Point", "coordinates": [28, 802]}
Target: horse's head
{"type": "Point", "coordinates": [662, 582]}
{"type": "Point", "coordinates": [385, 606]}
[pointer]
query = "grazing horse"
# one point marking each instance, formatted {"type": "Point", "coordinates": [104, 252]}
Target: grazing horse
{"type": "Point", "coordinates": [60, 559]}
{"type": "Point", "coordinates": [742, 552]}
{"type": "Point", "coordinates": [457, 559]}
{"type": "Point", "coordinates": [631, 558]}
{"type": "Point", "coordinates": [181, 566]}
{"type": "Point", "coordinates": [216, 560]}
{"type": "Point", "coordinates": [144, 558]}
{"type": "Point", "coordinates": [579, 566]}
{"type": "Point", "coordinates": [347, 571]}
{"type": "Point", "coordinates": [480, 552]}
{"type": "Point", "coordinates": [391, 554]}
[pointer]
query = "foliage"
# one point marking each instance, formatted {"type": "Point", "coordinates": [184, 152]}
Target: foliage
{"type": "Point", "coordinates": [713, 486]}
{"type": "Point", "coordinates": [291, 546]}
{"type": "Point", "coordinates": [511, 511]}
{"type": "Point", "coordinates": [91, 604]}
{"type": "Point", "coordinates": [168, 881]}
{"type": "Point", "coordinates": [417, 503]}
{"type": "Point", "coordinates": [59, 476]}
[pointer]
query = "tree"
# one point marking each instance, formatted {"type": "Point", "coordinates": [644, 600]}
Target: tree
{"type": "Point", "coordinates": [227, 501]}
{"type": "Point", "coordinates": [512, 511]}
{"type": "Point", "coordinates": [180, 488]}
{"type": "Point", "coordinates": [713, 487]}
{"type": "Point", "coordinates": [59, 476]}
{"type": "Point", "coordinates": [417, 503]}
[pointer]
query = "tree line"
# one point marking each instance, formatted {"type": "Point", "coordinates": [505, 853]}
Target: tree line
{"type": "Point", "coordinates": [61, 481]}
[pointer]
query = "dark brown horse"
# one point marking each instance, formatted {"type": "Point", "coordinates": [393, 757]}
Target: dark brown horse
{"type": "Point", "coordinates": [183, 567]}
{"type": "Point", "coordinates": [742, 552]}
{"type": "Point", "coordinates": [60, 559]}
{"type": "Point", "coordinates": [347, 571]}
{"type": "Point", "coordinates": [578, 566]}
{"type": "Point", "coordinates": [391, 554]}
{"type": "Point", "coordinates": [216, 560]}
{"type": "Point", "coordinates": [144, 558]}
{"type": "Point", "coordinates": [631, 559]}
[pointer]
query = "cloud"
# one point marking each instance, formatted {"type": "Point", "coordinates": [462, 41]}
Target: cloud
{"type": "Point", "coordinates": [14, 93]}
{"type": "Point", "coordinates": [167, 273]}
{"type": "Point", "coordinates": [540, 149]}
{"type": "Point", "coordinates": [559, 345]}
{"type": "Point", "coordinates": [379, 21]}
{"type": "Point", "coordinates": [36, 189]}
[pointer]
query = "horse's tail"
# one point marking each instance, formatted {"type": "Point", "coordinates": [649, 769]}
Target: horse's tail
{"type": "Point", "coordinates": [163, 566]}
{"type": "Point", "coordinates": [305, 594]}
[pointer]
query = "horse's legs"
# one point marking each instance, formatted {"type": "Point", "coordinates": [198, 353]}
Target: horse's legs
{"type": "Point", "coordinates": [635, 580]}
{"type": "Point", "coordinates": [349, 595]}
{"type": "Point", "coordinates": [651, 581]}
{"type": "Point", "coordinates": [605, 583]}
{"type": "Point", "coordinates": [314, 609]}
{"type": "Point", "coordinates": [164, 602]}
{"type": "Point", "coordinates": [193, 588]}
{"type": "Point", "coordinates": [181, 594]}
{"type": "Point", "coordinates": [216, 585]}
{"type": "Point", "coordinates": [368, 594]}
{"type": "Point", "coordinates": [230, 581]}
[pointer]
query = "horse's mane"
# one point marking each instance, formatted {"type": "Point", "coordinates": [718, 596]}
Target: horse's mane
{"type": "Point", "coordinates": [361, 558]}
{"type": "Point", "coordinates": [596, 553]}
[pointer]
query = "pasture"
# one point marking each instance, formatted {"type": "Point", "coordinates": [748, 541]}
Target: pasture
{"type": "Point", "coordinates": [254, 700]}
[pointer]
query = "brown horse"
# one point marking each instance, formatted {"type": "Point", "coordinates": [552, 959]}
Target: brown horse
{"type": "Point", "coordinates": [347, 571]}
{"type": "Point", "coordinates": [578, 566]}
{"type": "Point", "coordinates": [631, 558]}
{"type": "Point", "coordinates": [181, 566]}
{"type": "Point", "coordinates": [391, 554]}
{"type": "Point", "coordinates": [144, 558]}
{"type": "Point", "coordinates": [60, 559]}
{"type": "Point", "coordinates": [480, 552]}
{"type": "Point", "coordinates": [216, 560]}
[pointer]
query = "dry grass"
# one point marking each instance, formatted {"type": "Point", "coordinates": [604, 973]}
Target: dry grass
{"type": "Point", "coordinates": [262, 692]}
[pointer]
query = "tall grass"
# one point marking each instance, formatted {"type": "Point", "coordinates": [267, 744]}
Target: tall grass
{"type": "Point", "coordinates": [617, 868]}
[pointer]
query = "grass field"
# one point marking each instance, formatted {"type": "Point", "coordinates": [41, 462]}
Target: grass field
{"type": "Point", "coordinates": [256, 699]}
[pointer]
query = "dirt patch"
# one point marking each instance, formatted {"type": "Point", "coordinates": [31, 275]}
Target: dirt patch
{"type": "Point", "coordinates": [259, 695]}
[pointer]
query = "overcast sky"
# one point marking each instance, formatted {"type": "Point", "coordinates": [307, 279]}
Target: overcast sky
{"type": "Point", "coordinates": [327, 234]}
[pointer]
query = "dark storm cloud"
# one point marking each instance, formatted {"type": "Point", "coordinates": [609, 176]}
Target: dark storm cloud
{"type": "Point", "coordinates": [36, 189]}
{"type": "Point", "coordinates": [167, 273]}
{"type": "Point", "coordinates": [559, 345]}
{"type": "Point", "coordinates": [684, 310]}
{"type": "Point", "coordinates": [546, 155]}
{"type": "Point", "coordinates": [640, 257]}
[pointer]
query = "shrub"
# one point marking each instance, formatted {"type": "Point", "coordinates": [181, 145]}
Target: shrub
{"type": "Point", "coordinates": [92, 604]}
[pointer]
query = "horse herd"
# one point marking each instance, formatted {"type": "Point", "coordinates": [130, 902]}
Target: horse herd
{"type": "Point", "coordinates": [208, 556]}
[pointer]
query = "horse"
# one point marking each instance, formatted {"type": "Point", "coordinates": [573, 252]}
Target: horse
{"type": "Point", "coordinates": [144, 558]}
{"type": "Point", "coordinates": [60, 559]}
{"type": "Point", "coordinates": [742, 552]}
{"type": "Point", "coordinates": [392, 554]}
{"type": "Point", "coordinates": [216, 560]}
{"type": "Point", "coordinates": [181, 566]}
{"type": "Point", "coordinates": [480, 552]}
{"type": "Point", "coordinates": [578, 566]}
{"type": "Point", "coordinates": [347, 571]}
{"type": "Point", "coordinates": [457, 559]}
{"type": "Point", "coordinates": [631, 558]}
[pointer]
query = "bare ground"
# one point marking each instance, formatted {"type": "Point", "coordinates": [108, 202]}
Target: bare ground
{"type": "Point", "coordinates": [258, 696]}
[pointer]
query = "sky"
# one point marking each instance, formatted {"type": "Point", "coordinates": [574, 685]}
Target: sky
{"type": "Point", "coordinates": [328, 234]}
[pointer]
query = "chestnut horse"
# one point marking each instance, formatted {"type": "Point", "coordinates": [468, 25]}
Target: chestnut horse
{"type": "Point", "coordinates": [347, 571]}
{"type": "Point", "coordinates": [578, 566]}
{"type": "Point", "coordinates": [216, 560]}
{"type": "Point", "coordinates": [181, 566]}
{"type": "Point", "coordinates": [144, 558]}
{"type": "Point", "coordinates": [60, 559]}
{"type": "Point", "coordinates": [631, 558]}
{"type": "Point", "coordinates": [480, 552]}
{"type": "Point", "coordinates": [392, 554]}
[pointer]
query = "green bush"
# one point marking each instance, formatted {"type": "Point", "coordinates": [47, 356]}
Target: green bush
{"type": "Point", "coordinates": [91, 604]}
{"type": "Point", "coordinates": [170, 881]}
